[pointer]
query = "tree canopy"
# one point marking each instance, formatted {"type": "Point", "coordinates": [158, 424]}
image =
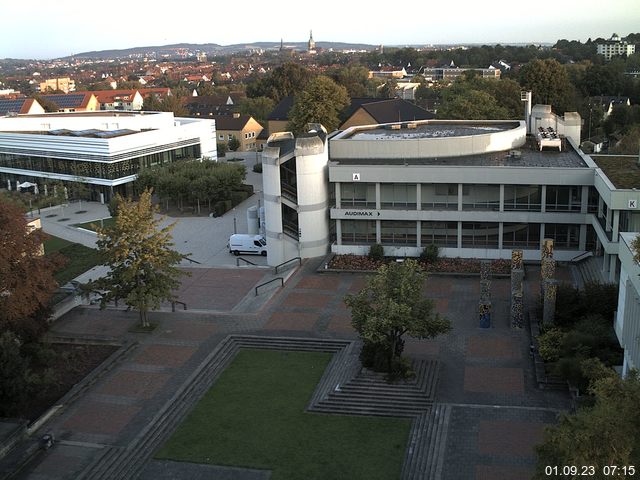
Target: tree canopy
{"type": "Point", "coordinates": [142, 266]}
{"type": "Point", "coordinates": [286, 80]}
{"type": "Point", "coordinates": [602, 435]}
{"type": "Point", "coordinates": [320, 102]}
{"type": "Point", "coordinates": [391, 305]}
{"type": "Point", "coordinates": [26, 282]}
{"type": "Point", "coordinates": [549, 82]}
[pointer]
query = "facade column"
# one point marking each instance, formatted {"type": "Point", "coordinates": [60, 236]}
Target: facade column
{"type": "Point", "coordinates": [378, 231]}
{"type": "Point", "coordinates": [378, 199]}
{"type": "Point", "coordinates": [459, 234]}
{"type": "Point", "coordinates": [338, 195]}
{"type": "Point", "coordinates": [541, 235]}
{"type": "Point", "coordinates": [500, 233]}
{"type": "Point", "coordinates": [459, 197]}
{"type": "Point", "coordinates": [613, 267]}
{"type": "Point", "coordinates": [418, 196]}
{"type": "Point", "coordinates": [605, 262]}
{"type": "Point", "coordinates": [600, 206]}
{"type": "Point", "coordinates": [584, 200]}
{"type": "Point", "coordinates": [582, 242]}
{"type": "Point", "coordinates": [609, 220]}
{"type": "Point", "coordinates": [339, 232]}
{"type": "Point", "coordinates": [502, 197]}
{"type": "Point", "coordinates": [418, 236]}
{"type": "Point", "coordinates": [543, 199]}
{"type": "Point", "coordinates": [616, 225]}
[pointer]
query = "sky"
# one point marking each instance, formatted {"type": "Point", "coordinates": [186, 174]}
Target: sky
{"type": "Point", "coordinates": [48, 30]}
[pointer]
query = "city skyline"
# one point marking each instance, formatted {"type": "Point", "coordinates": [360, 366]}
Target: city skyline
{"type": "Point", "coordinates": [122, 25]}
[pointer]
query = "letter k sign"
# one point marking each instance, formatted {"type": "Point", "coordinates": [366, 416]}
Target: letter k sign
{"type": "Point", "coordinates": [633, 203]}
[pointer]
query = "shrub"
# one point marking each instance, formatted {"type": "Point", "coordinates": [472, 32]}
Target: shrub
{"type": "Point", "coordinates": [233, 144]}
{"type": "Point", "coordinates": [238, 197]}
{"type": "Point", "coordinates": [376, 252]}
{"type": "Point", "coordinates": [430, 253]}
{"type": "Point", "coordinates": [221, 207]}
{"type": "Point", "coordinates": [257, 168]}
{"type": "Point", "coordinates": [113, 206]}
{"type": "Point", "coordinates": [550, 344]}
{"type": "Point", "coordinates": [221, 148]}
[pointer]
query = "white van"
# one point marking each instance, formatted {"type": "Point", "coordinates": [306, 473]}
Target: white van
{"type": "Point", "coordinates": [243, 243]}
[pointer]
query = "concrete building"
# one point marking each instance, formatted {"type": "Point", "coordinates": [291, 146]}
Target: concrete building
{"type": "Point", "coordinates": [102, 149]}
{"type": "Point", "coordinates": [65, 85]}
{"type": "Point", "coordinates": [614, 47]}
{"type": "Point", "coordinates": [627, 321]}
{"type": "Point", "coordinates": [243, 127]}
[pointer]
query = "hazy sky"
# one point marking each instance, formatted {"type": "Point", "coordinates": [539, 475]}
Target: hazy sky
{"type": "Point", "coordinates": [39, 29]}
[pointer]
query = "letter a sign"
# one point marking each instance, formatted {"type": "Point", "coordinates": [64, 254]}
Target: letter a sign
{"type": "Point", "coordinates": [356, 177]}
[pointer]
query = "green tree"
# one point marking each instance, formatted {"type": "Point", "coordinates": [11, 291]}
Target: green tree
{"type": "Point", "coordinates": [233, 144]}
{"type": "Point", "coordinates": [465, 103]}
{"type": "Point", "coordinates": [391, 305]}
{"type": "Point", "coordinates": [549, 83]}
{"type": "Point", "coordinates": [258, 107]}
{"type": "Point", "coordinates": [142, 265]}
{"type": "Point", "coordinates": [629, 143]}
{"type": "Point", "coordinates": [354, 78]}
{"type": "Point", "coordinates": [321, 102]}
{"type": "Point", "coordinates": [286, 80]}
{"type": "Point", "coordinates": [602, 435]}
{"type": "Point", "coordinates": [17, 382]}
{"type": "Point", "coordinates": [388, 90]}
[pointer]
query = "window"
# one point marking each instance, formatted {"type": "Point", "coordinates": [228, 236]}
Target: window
{"type": "Point", "coordinates": [565, 237]}
{"type": "Point", "coordinates": [522, 197]}
{"type": "Point", "coordinates": [439, 196]}
{"type": "Point", "coordinates": [481, 197]}
{"type": "Point", "coordinates": [480, 235]}
{"type": "Point", "coordinates": [521, 235]}
{"type": "Point", "coordinates": [358, 195]}
{"type": "Point", "coordinates": [396, 232]}
{"type": "Point", "coordinates": [442, 234]}
{"type": "Point", "coordinates": [398, 196]}
{"type": "Point", "coordinates": [229, 137]}
{"type": "Point", "coordinates": [358, 232]}
{"type": "Point", "coordinates": [560, 198]}
{"type": "Point", "coordinates": [220, 137]}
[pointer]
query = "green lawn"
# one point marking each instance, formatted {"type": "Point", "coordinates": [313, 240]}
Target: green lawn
{"type": "Point", "coordinates": [94, 224]}
{"type": "Point", "coordinates": [79, 258]}
{"type": "Point", "coordinates": [254, 417]}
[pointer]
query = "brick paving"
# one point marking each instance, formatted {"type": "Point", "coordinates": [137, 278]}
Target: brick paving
{"type": "Point", "coordinates": [486, 374]}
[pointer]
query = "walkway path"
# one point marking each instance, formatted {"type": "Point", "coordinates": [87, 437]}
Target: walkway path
{"type": "Point", "coordinates": [494, 414]}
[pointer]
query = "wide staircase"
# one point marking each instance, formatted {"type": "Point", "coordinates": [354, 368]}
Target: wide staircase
{"type": "Point", "coordinates": [590, 271]}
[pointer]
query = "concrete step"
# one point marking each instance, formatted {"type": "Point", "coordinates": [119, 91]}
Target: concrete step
{"type": "Point", "coordinates": [339, 409]}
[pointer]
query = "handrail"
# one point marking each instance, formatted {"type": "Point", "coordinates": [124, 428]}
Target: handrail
{"type": "Point", "coordinates": [244, 260]}
{"type": "Point", "coordinates": [173, 305]}
{"type": "Point", "coordinates": [586, 254]}
{"type": "Point", "coordinates": [288, 261]}
{"type": "Point", "coordinates": [270, 281]}
{"type": "Point", "coordinates": [192, 260]}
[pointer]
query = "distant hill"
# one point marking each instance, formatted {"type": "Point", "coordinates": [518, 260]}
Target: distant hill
{"type": "Point", "coordinates": [214, 48]}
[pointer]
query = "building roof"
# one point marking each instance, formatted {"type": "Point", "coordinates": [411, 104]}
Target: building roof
{"type": "Point", "coordinates": [230, 122]}
{"type": "Point", "coordinates": [162, 92]}
{"type": "Point", "coordinates": [396, 110]}
{"type": "Point", "coordinates": [356, 103]}
{"type": "Point", "coordinates": [622, 171]}
{"type": "Point", "coordinates": [281, 111]}
{"type": "Point", "coordinates": [17, 105]}
{"type": "Point", "coordinates": [70, 100]}
{"type": "Point", "coordinates": [606, 100]}
{"type": "Point", "coordinates": [111, 96]}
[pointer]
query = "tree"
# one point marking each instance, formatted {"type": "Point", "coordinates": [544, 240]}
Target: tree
{"type": "Point", "coordinates": [388, 90]}
{"type": "Point", "coordinates": [321, 102]}
{"type": "Point", "coordinates": [48, 105]}
{"type": "Point", "coordinates": [286, 80]}
{"type": "Point", "coordinates": [26, 282]}
{"type": "Point", "coordinates": [259, 108]}
{"type": "Point", "coordinates": [469, 104]}
{"type": "Point", "coordinates": [233, 144]}
{"type": "Point", "coordinates": [603, 435]}
{"type": "Point", "coordinates": [354, 78]}
{"type": "Point", "coordinates": [628, 144]}
{"type": "Point", "coordinates": [142, 265]}
{"type": "Point", "coordinates": [549, 83]}
{"type": "Point", "coordinates": [390, 306]}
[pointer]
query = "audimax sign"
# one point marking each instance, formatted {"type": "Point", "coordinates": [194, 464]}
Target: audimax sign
{"type": "Point", "coordinates": [361, 213]}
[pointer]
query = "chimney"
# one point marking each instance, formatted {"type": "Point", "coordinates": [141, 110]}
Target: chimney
{"type": "Point", "coordinates": [526, 98]}
{"type": "Point", "coordinates": [236, 115]}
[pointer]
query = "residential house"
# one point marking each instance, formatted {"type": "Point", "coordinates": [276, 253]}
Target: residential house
{"type": "Point", "coordinates": [20, 106]}
{"type": "Point", "coordinates": [380, 111]}
{"type": "Point", "coordinates": [243, 127]}
{"type": "Point", "coordinates": [74, 102]}
{"type": "Point", "coordinates": [608, 102]}
{"type": "Point", "coordinates": [615, 46]}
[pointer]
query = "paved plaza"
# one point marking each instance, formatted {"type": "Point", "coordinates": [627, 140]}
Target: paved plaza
{"type": "Point", "coordinates": [486, 378]}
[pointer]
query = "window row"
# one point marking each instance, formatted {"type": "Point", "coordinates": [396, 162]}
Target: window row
{"type": "Point", "coordinates": [444, 196]}
{"type": "Point", "coordinates": [473, 234]}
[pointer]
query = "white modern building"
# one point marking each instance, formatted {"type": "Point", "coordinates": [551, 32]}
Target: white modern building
{"type": "Point", "coordinates": [627, 322]}
{"type": "Point", "coordinates": [615, 47]}
{"type": "Point", "coordinates": [104, 149]}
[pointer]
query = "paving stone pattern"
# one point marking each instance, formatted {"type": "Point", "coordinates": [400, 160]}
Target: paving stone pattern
{"type": "Point", "coordinates": [486, 413]}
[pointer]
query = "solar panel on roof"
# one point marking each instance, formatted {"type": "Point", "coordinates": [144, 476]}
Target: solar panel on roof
{"type": "Point", "coordinates": [13, 105]}
{"type": "Point", "coordinates": [69, 100]}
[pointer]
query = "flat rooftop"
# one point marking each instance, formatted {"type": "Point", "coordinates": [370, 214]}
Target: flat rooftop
{"type": "Point", "coordinates": [622, 170]}
{"type": "Point", "coordinates": [96, 113]}
{"type": "Point", "coordinates": [433, 129]}
{"type": "Point", "coordinates": [529, 156]}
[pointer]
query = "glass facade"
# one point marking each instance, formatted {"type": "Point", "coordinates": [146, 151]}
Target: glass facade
{"type": "Point", "coordinates": [88, 169]}
{"type": "Point", "coordinates": [521, 235]}
{"type": "Point", "coordinates": [358, 232]}
{"type": "Point", "coordinates": [522, 197]}
{"type": "Point", "coordinates": [439, 196]}
{"type": "Point", "coordinates": [401, 196]}
{"type": "Point", "coordinates": [398, 232]}
{"type": "Point", "coordinates": [358, 195]}
{"type": "Point", "coordinates": [480, 235]}
{"type": "Point", "coordinates": [442, 234]}
{"type": "Point", "coordinates": [565, 237]}
{"type": "Point", "coordinates": [481, 197]}
{"type": "Point", "coordinates": [563, 199]}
